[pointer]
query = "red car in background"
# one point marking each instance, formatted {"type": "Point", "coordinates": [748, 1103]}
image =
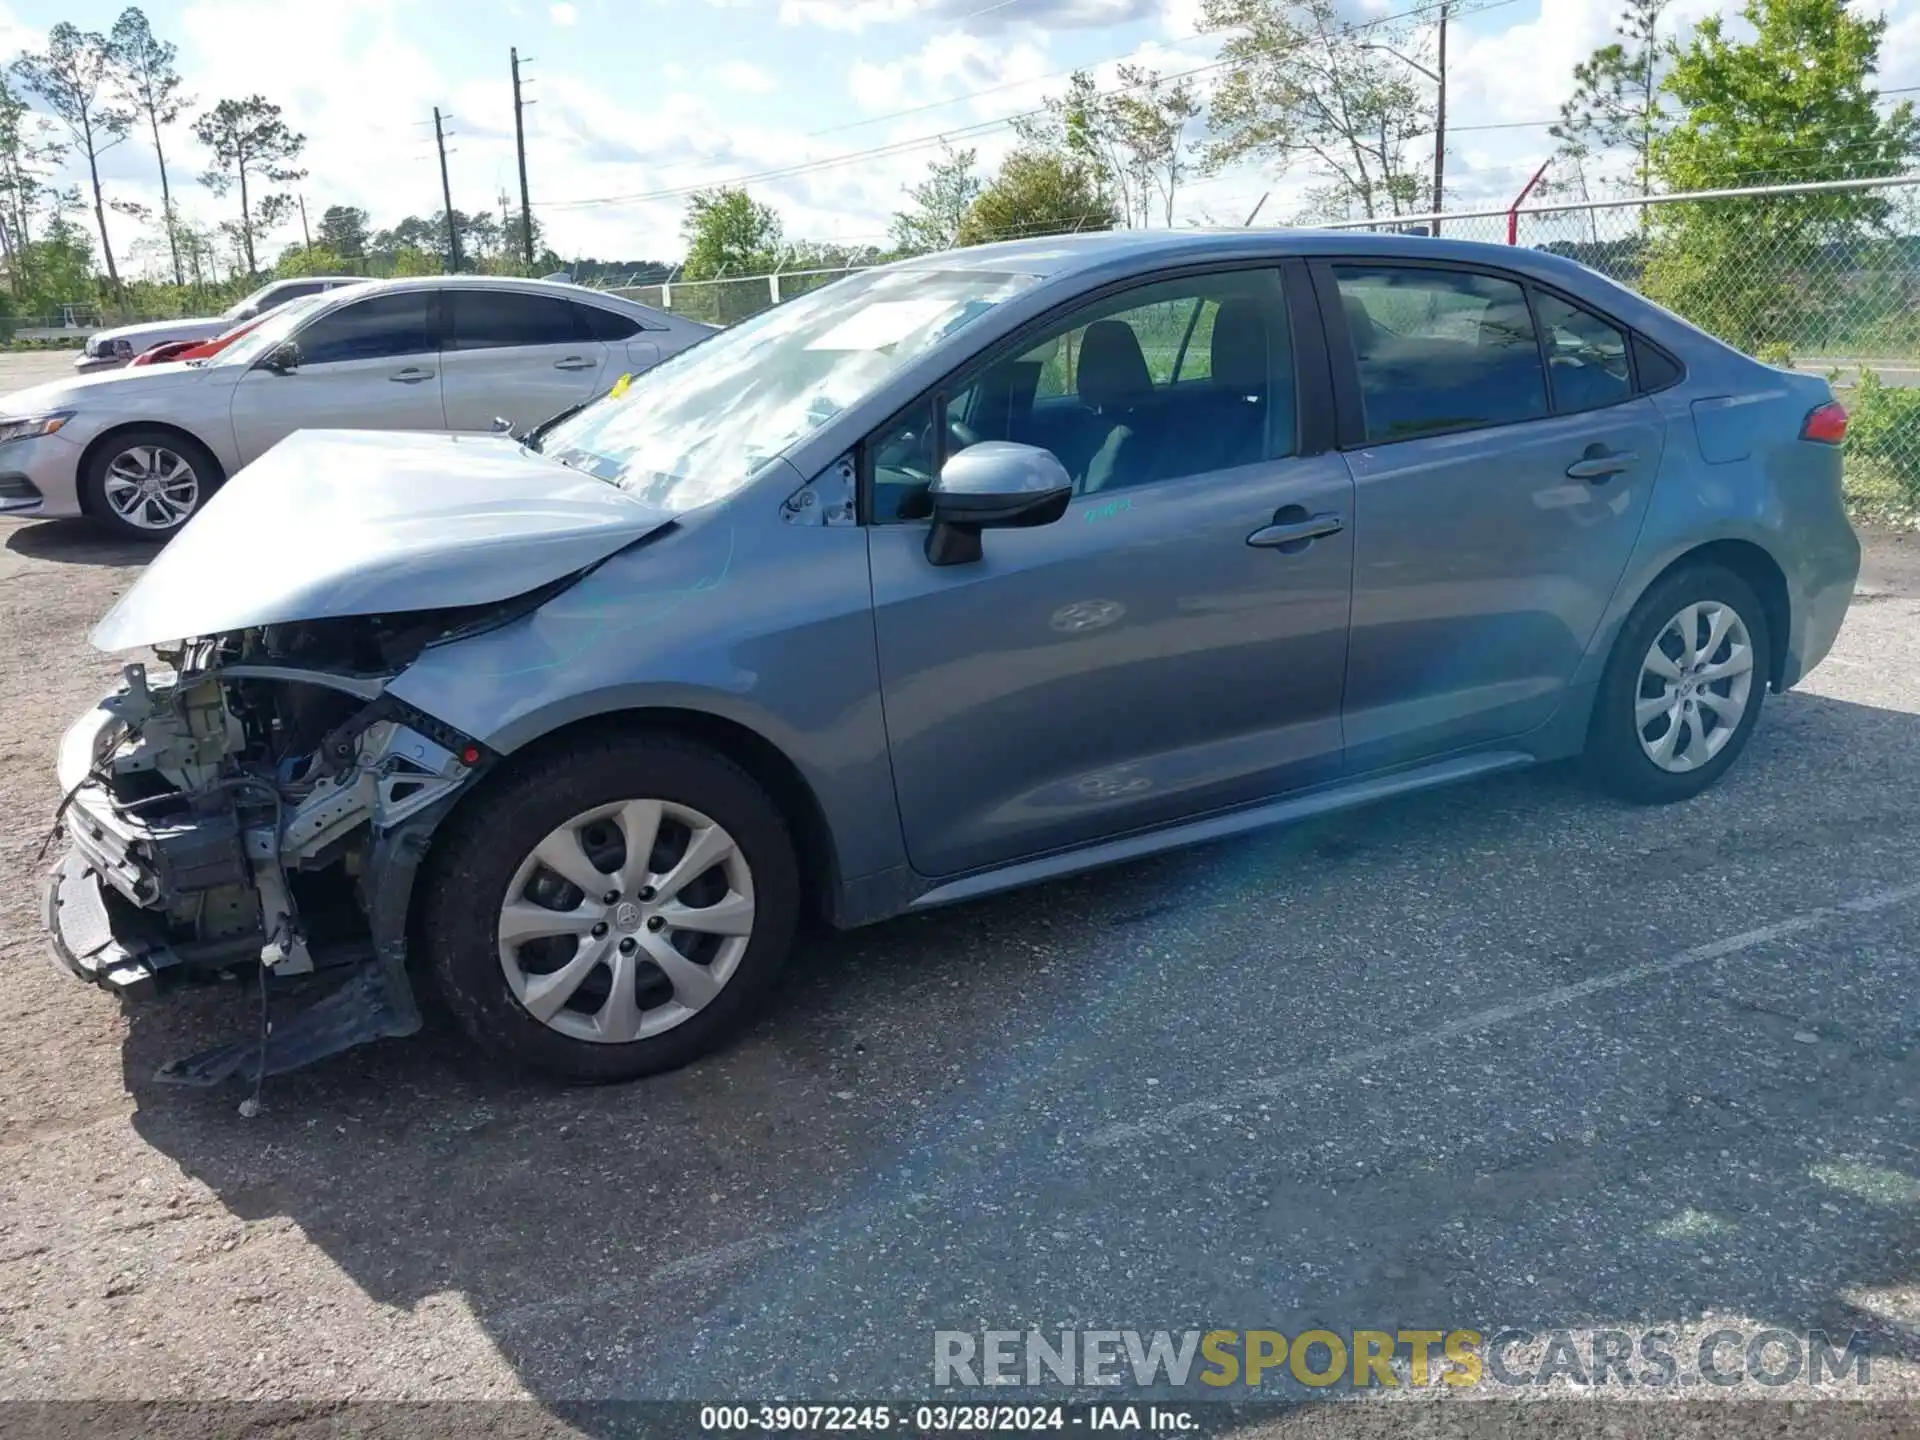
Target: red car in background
{"type": "Point", "coordinates": [193, 349]}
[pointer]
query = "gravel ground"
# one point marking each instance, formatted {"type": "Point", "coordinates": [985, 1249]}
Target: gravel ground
{"type": "Point", "coordinates": [1503, 1056]}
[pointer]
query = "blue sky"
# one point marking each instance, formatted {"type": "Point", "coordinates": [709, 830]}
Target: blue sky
{"type": "Point", "coordinates": [642, 99]}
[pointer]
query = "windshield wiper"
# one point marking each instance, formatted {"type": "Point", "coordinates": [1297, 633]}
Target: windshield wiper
{"type": "Point", "coordinates": [531, 440]}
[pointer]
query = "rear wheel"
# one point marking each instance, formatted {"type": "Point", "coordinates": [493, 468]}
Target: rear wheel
{"type": "Point", "coordinates": [1683, 689]}
{"type": "Point", "coordinates": [613, 910]}
{"type": "Point", "coordinates": [146, 483]}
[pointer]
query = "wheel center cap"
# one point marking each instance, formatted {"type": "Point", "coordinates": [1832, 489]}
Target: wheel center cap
{"type": "Point", "coordinates": [626, 916]}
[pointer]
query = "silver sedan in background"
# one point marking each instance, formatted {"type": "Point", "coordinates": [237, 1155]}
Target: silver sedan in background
{"type": "Point", "coordinates": [140, 450]}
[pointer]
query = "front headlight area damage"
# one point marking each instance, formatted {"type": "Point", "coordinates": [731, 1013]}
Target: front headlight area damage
{"type": "Point", "coordinates": [258, 808]}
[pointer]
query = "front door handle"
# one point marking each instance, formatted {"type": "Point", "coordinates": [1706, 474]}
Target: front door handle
{"type": "Point", "coordinates": [1601, 463]}
{"type": "Point", "coordinates": [576, 362]}
{"type": "Point", "coordinates": [412, 375]}
{"type": "Point", "coordinates": [1293, 530]}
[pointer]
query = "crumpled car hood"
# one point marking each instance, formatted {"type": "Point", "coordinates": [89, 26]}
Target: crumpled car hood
{"type": "Point", "coordinates": [336, 522]}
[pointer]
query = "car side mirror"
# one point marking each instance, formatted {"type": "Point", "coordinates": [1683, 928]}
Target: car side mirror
{"type": "Point", "coordinates": [501, 426]}
{"type": "Point", "coordinates": [282, 359]}
{"type": "Point", "coordinates": [994, 485]}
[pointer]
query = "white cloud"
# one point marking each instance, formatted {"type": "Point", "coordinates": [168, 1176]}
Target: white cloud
{"type": "Point", "coordinates": [746, 77]}
{"type": "Point", "coordinates": [564, 15]}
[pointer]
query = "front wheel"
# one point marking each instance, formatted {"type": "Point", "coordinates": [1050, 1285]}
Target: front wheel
{"type": "Point", "coordinates": [146, 483]}
{"type": "Point", "coordinates": [1683, 688]}
{"type": "Point", "coordinates": [613, 910]}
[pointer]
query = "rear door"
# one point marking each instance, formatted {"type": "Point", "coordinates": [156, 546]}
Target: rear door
{"type": "Point", "coordinates": [373, 364]}
{"type": "Point", "coordinates": [1502, 458]}
{"type": "Point", "coordinates": [516, 355]}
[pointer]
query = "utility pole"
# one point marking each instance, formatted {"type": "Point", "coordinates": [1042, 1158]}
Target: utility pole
{"type": "Point", "coordinates": [446, 195]}
{"type": "Point", "coordinates": [1440, 125]}
{"type": "Point", "coordinates": [520, 144]}
{"type": "Point", "coordinates": [305, 238]}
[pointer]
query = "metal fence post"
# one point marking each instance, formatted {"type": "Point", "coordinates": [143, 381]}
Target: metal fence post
{"type": "Point", "coordinates": [773, 287]}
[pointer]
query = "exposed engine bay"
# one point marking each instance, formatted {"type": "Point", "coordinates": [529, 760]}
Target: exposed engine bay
{"type": "Point", "coordinates": [242, 813]}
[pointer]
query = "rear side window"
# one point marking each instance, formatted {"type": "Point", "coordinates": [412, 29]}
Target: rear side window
{"type": "Point", "coordinates": [605, 324]}
{"type": "Point", "coordinates": [494, 319]}
{"type": "Point", "coordinates": [1657, 369]}
{"type": "Point", "coordinates": [1586, 356]}
{"type": "Point", "coordinates": [371, 329]}
{"type": "Point", "coordinates": [1440, 350]}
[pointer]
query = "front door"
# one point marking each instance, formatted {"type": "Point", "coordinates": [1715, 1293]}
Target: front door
{"type": "Point", "coordinates": [517, 356]}
{"type": "Point", "coordinates": [1499, 487]}
{"type": "Point", "coordinates": [1139, 661]}
{"type": "Point", "coordinates": [373, 364]}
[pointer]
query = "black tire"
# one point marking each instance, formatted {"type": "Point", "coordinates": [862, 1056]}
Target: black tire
{"type": "Point", "coordinates": [93, 479]}
{"type": "Point", "coordinates": [1615, 759]}
{"type": "Point", "coordinates": [475, 859]}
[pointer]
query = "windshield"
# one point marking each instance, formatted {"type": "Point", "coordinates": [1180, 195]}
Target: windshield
{"type": "Point", "coordinates": [277, 325]}
{"type": "Point", "coordinates": [240, 309]}
{"type": "Point", "coordinates": [694, 429]}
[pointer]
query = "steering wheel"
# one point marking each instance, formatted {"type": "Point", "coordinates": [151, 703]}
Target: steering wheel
{"type": "Point", "coordinates": [960, 435]}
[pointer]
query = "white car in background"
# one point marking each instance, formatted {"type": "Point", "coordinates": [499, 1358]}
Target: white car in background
{"type": "Point", "coordinates": [140, 450]}
{"type": "Point", "coordinates": [106, 349]}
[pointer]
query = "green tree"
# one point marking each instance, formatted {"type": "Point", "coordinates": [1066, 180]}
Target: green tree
{"type": "Point", "coordinates": [148, 84]}
{"type": "Point", "coordinates": [1615, 103]}
{"type": "Point", "coordinates": [1134, 136]}
{"type": "Point", "coordinates": [315, 259]}
{"type": "Point", "coordinates": [250, 140]}
{"type": "Point", "coordinates": [1150, 118]}
{"type": "Point", "coordinates": [60, 263]}
{"type": "Point", "coordinates": [1040, 192]}
{"type": "Point", "coordinates": [69, 75]}
{"type": "Point", "coordinates": [29, 152]}
{"type": "Point", "coordinates": [1302, 81]}
{"type": "Point", "coordinates": [1793, 103]}
{"type": "Point", "coordinates": [940, 204]}
{"type": "Point", "coordinates": [343, 230]}
{"type": "Point", "coordinates": [728, 232]}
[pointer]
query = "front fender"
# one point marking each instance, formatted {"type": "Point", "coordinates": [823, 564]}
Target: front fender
{"type": "Point", "coordinates": [729, 613]}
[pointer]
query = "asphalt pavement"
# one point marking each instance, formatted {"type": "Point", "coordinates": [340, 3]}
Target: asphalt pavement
{"type": "Point", "coordinates": [1504, 1056]}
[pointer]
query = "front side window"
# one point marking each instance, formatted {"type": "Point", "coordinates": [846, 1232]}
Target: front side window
{"type": "Point", "coordinates": [1586, 356]}
{"type": "Point", "coordinates": [496, 319]}
{"type": "Point", "coordinates": [377, 328]}
{"type": "Point", "coordinates": [1173, 379]}
{"type": "Point", "coordinates": [1440, 350]}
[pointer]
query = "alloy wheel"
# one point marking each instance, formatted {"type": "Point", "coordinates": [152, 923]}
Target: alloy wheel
{"type": "Point", "coordinates": [1695, 685]}
{"type": "Point", "coordinates": [626, 921]}
{"type": "Point", "coordinates": [151, 487]}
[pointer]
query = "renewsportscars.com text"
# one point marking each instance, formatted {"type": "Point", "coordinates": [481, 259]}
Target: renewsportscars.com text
{"type": "Point", "coordinates": [1241, 1359]}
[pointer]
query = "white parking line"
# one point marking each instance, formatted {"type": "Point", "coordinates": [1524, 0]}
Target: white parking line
{"type": "Point", "coordinates": [1167, 1121]}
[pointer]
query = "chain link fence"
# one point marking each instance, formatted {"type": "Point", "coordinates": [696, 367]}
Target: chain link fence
{"type": "Point", "coordinates": [1822, 277]}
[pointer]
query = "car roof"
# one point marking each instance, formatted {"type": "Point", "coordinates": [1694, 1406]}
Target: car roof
{"type": "Point", "coordinates": [579, 293]}
{"type": "Point", "coordinates": [1066, 257]}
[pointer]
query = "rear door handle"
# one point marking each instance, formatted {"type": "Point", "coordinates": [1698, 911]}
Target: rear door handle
{"type": "Point", "coordinates": [412, 375]}
{"type": "Point", "coordinates": [1296, 533]}
{"type": "Point", "coordinates": [576, 362]}
{"type": "Point", "coordinates": [1600, 464]}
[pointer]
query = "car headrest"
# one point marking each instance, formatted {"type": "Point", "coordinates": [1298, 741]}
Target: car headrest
{"type": "Point", "coordinates": [1360, 326]}
{"type": "Point", "coordinates": [1240, 346]}
{"type": "Point", "coordinates": [1506, 328]}
{"type": "Point", "coordinates": [1112, 369]}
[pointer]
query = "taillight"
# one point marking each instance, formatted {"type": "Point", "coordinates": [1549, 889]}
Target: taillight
{"type": "Point", "coordinates": [1828, 424]}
